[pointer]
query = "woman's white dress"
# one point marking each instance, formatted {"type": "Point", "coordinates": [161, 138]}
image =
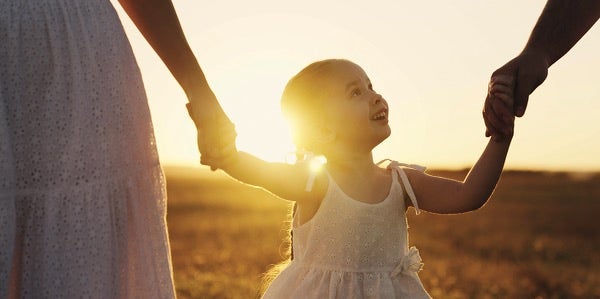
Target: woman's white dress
{"type": "Point", "coordinates": [82, 195]}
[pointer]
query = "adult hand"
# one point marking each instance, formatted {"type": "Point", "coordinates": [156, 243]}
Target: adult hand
{"type": "Point", "coordinates": [529, 69]}
{"type": "Point", "coordinates": [501, 95]}
{"type": "Point", "coordinates": [216, 134]}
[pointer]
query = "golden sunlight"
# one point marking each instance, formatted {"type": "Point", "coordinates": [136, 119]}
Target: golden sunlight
{"type": "Point", "coordinates": [249, 91]}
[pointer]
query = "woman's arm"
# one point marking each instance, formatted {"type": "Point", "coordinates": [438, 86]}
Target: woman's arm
{"type": "Point", "coordinates": [159, 24]}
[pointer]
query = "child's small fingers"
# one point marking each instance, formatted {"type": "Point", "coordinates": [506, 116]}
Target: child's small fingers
{"type": "Point", "coordinates": [504, 98]}
{"type": "Point", "coordinates": [502, 80]}
{"type": "Point", "coordinates": [501, 89]}
{"type": "Point", "coordinates": [502, 109]}
{"type": "Point", "coordinates": [493, 118]}
{"type": "Point", "coordinates": [490, 129]}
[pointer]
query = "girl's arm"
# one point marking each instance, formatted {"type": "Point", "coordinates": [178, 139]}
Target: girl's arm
{"type": "Point", "coordinates": [287, 181]}
{"type": "Point", "coordinates": [446, 196]}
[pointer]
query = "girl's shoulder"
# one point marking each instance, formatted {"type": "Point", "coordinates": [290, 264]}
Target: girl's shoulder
{"type": "Point", "coordinates": [310, 181]}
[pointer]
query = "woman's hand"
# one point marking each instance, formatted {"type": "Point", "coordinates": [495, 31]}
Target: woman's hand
{"type": "Point", "coordinates": [216, 134]}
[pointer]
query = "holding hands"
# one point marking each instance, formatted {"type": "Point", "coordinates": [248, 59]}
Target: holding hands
{"type": "Point", "coordinates": [216, 134]}
{"type": "Point", "coordinates": [498, 110]}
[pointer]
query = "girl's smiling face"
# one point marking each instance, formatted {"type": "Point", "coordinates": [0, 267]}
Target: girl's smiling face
{"type": "Point", "coordinates": [354, 111]}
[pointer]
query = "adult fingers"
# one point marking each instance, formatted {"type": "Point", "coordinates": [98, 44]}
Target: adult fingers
{"type": "Point", "coordinates": [505, 102]}
{"type": "Point", "coordinates": [521, 98]}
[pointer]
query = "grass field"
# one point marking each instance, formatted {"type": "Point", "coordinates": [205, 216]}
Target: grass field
{"type": "Point", "coordinates": [538, 237]}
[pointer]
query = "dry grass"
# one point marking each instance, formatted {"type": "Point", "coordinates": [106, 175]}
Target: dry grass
{"type": "Point", "coordinates": [539, 237]}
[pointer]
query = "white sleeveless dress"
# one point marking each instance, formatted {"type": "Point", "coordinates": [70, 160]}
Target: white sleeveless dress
{"type": "Point", "coordinates": [351, 249]}
{"type": "Point", "coordinates": [82, 199]}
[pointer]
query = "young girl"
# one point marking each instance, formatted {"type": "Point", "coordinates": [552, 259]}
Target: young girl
{"type": "Point", "coordinates": [349, 230]}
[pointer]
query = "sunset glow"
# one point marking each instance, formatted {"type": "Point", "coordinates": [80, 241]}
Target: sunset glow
{"type": "Point", "coordinates": [431, 64]}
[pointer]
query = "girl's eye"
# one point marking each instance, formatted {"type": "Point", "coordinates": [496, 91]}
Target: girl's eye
{"type": "Point", "coordinates": [356, 92]}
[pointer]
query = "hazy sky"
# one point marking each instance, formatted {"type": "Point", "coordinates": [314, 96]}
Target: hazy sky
{"type": "Point", "coordinates": [431, 60]}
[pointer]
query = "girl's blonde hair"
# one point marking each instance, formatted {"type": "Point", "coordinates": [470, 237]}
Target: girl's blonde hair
{"type": "Point", "coordinates": [302, 102]}
{"type": "Point", "coordinates": [288, 255]}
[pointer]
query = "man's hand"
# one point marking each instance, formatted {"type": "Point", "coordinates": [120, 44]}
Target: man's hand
{"type": "Point", "coordinates": [500, 101]}
{"type": "Point", "coordinates": [529, 69]}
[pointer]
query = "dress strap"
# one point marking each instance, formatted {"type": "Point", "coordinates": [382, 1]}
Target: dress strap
{"type": "Point", "coordinates": [310, 181]}
{"type": "Point", "coordinates": [397, 166]}
{"type": "Point", "coordinates": [307, 157]}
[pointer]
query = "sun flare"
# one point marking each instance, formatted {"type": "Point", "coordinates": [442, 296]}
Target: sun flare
{"type": "Point", "coordinates": [251, 99]}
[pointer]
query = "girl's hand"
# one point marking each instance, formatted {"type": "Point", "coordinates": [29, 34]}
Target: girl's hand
{"type": "Point", "coordinates": [216, 136]}
{"type": "Point", "coordinates": [498, 110]}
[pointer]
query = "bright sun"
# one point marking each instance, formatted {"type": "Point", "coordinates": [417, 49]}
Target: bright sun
{"type": "Point", "coordinates": [251, 99]}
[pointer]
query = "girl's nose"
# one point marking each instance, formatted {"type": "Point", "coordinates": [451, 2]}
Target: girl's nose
{"type": "Point", "coordinates": [377, 98]}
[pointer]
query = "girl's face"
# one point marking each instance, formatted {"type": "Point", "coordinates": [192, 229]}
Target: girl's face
{"type": "Point", "coordinates": [355, 113]}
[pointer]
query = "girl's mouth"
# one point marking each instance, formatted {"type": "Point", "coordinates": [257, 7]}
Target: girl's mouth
{"type": "Point", "coordinates": [380, 115]}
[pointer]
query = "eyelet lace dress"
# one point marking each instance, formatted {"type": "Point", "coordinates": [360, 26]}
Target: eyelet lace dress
{"type": "Point", "coordinates": [351, 249]}
{"type": "Point", "coordinates": [82, 195]}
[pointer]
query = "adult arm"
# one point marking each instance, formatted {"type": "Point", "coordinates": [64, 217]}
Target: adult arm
{"type": "Point", "coordinates": [159, 24]}
{"type": "Point", "coordinates": [560, 26]}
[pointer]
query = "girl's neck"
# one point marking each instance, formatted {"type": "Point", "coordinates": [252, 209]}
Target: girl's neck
{"type": "Point", "coordinates": [351, 162]}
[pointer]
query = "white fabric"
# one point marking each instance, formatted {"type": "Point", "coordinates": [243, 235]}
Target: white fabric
{"type": "Point", "coordinates": [82, 195]}
{"type": "Point", "coordinates": [351, 249]}
{"type": "Point", "coordinates": [396, 166]}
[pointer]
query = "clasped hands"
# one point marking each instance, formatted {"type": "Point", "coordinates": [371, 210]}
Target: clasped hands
{"type": "Point", "coordinates": [498, 108]}
{"type": "Point", "coordinates": [216, 135]}
{"type": "Point", "coordinates": [525, 72]}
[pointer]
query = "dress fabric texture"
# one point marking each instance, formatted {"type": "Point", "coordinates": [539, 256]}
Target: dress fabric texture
{"type": "Point", "coordinates": [351, 249]}
{"type": "Point", "coordinates": [82, 194]}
